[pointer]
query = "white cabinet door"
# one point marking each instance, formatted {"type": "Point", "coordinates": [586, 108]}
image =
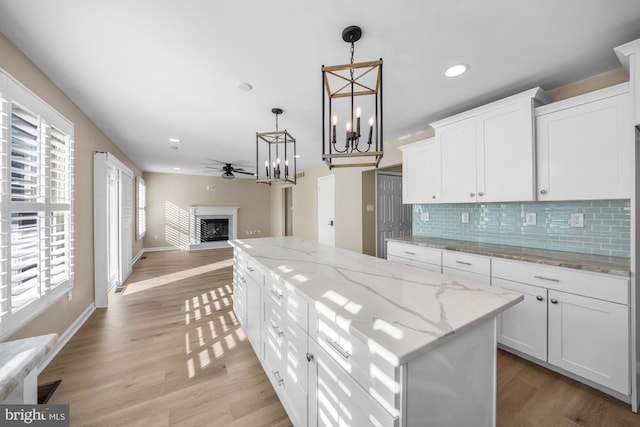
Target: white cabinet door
{"type": "Point", "coordinates": [585, 151]}
{"type": "Point", "coordinates": [590, 338]}
{"type": "Point", "coordinates": [505, 154]}
{"type": "Point", "coordinates": [254, 313]}
{"type": "Point", "coordinates": [458, 153]}
{"type": "Point", "coordinates": [523, 327]}
{"type": "Point", "coordinates": [336, 399]}
{"type": "Point", "coordinates": [421, 180]}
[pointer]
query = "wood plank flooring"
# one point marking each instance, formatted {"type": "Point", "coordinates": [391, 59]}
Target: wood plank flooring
{"type": "Point", "coordinates": [169, 352]}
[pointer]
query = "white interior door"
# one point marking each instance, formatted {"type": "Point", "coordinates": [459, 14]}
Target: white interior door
{"type": "Point", "coordinates": [326, 210]}
{"type": "Point", "coordinates": [112, 224]}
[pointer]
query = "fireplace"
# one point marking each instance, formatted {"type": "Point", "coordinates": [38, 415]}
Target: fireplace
{"type": "Point", "coordinates": [213, 229]}
{"type": "Point", "coordinates": [212, 226]}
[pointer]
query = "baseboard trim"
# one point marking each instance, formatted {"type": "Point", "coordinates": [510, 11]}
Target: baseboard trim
{"type": "Point", "coordinates": [67, 335]}
{"type": "Point", "coordinates": [165, 248]}
{"type": "Point", "coordinates": [137, 257]}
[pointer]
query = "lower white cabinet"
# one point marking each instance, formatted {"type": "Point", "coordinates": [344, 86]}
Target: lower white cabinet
{"type": "Point", "coordinates": [285, 362]}
{"type": "Point", "coordinates": [590, 338]}
{"type": "Point", "coordinates": [336, 399]}
{"type": "Point", "coordinates": [523, 327]}
{"type": "Point", "coordinates": [253, 327]}
{"type": "Point", "coordinates": [574, 320]}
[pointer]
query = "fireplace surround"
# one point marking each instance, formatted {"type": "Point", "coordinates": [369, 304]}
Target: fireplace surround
{"type": "Point", "coordinates": [212, 226]}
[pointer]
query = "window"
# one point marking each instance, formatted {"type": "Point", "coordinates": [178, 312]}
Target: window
{"type": "Point", "coordinates": [141, 202]}
{"type": "Point", "coordinates": [36, 206]}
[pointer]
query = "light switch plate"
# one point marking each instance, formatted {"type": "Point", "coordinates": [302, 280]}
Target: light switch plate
{"type": "Point", "coordinates": [530, 218]}
{"type": "Point", "coordinates": [577, 220]}
{"type": "Point", "coordinates": [370, 208]}
{"type": "Point", "coordinates": [465, 217]}
{"type": "Point", "coordinates": [424, 216]}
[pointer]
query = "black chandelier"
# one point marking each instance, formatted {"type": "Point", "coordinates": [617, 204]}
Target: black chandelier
{"type": "Point", "coordinates": [277, 153]}
{"type": "Point", "coordinates": [348, 91]}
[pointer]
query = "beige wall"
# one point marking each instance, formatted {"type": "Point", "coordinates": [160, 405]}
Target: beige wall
{"type": "Point", "coordinates": [169, 197]}
{"type": "Point", "coordinates": [355, 228]}
{"type": "Point", "coordinates": [88, 138]}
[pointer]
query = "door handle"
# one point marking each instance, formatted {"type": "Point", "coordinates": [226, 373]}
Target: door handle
{"type": "Point", "coordinates": [331, 223]}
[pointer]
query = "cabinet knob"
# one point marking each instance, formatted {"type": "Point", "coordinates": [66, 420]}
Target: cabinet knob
{"type": "Point", "coordinates": [472, 194]}
{"type": "Point", "coordinates": [539, 298]}
{"type": "Point", "coordinates": [433, 197]}
{"type": "Point", "coordinates": [553, 301]}
{"type": "Point", "coordinates": [543, 191]}
{"type": "Point", "coordinates": [480, 194]}
{"type": "Point", "coordinates": [309, 357]}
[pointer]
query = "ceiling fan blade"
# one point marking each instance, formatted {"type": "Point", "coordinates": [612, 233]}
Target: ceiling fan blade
{"type": "Point", "coordinates": [243, 172]}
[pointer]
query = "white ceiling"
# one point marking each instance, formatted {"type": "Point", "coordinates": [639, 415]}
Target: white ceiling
{"type": "Point", "coordinates": [148, 70]}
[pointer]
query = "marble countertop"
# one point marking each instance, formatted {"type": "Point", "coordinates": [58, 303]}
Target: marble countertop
{"type": "Point", "coordinates": [18, 358]}
{"type": "Point", "coordinates": [405, 310]}
{"type": "Point", "coordinates": [597, 263]}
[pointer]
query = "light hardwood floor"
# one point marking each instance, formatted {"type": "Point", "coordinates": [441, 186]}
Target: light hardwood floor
{"type": "Point", "coordinates": [169, 352]}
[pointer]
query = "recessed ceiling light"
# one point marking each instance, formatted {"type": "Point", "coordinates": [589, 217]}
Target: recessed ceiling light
{"type": "Point", "coordinates": [244, 86]}
{"type": "Point", "coordinates": [297, 156]}
{"type": "Point", "coordinates": [456, 70]}
{"type": "Point", "coordinates": [176, 140]}
{"type": "Point", "coordinates": [176, 169]}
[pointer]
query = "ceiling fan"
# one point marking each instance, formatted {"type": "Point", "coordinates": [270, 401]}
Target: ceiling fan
{"type": "Point", "coordinates": [229, 168]}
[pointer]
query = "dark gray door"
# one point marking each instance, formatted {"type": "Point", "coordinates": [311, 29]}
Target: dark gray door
{"type": "Point", "coordinates": [393, 218]}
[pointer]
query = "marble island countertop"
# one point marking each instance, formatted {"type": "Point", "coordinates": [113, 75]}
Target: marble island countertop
{"type": "Point", "coordinates": [596, 263]}
{"type": "Point", "coordinates": [405, 310]}
{"type": "Point", "coordinates": [18, 358]}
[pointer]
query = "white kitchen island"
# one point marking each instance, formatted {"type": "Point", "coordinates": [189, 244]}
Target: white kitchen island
{"type": "Point", "coordinates": [349, 339]}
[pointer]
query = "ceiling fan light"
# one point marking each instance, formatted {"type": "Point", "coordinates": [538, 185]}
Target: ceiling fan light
{"type": "Point", "coordinates": [456, 70]}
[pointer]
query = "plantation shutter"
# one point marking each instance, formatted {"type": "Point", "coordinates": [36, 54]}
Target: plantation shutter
{"type": "Point", "coordinates": [36, 205]}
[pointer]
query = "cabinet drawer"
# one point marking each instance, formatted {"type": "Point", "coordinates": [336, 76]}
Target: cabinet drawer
{"type": "Point", "coordinates": [342, 401]}
{"type": "Point", "coordinates": [415, 252]}
{"type": "Point", "coordinates": [286, 346]}
{"type": "Point", "coordinates": [285, 297]}
{"type": "Point", "coordinates": [368, 368]}
{"type": "Point", "coordinates": [465, 262]}
{"type": "Point", "coordinates": [601, 286]}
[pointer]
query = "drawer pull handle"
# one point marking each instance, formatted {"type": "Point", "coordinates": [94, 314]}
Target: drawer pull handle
{"type": "Point", "coordinates": [278, 378]}
{"type": "Point", "coordinates": [277, 330]}
{"type": "Point", "coordinates": [337, 348]}
{"type": "Point", "coordinates": [539, 298]}
{"type": "Point", "coordinates": [463, 262]}
{"type": "Point", "coordinates": [251, 269]}
{"type": "Point", "coordinates": [275, 294]}
{"type": "Point", "coordinates": [409, 253]}
{"type": "Point", "coordinates": [243, 280]}
{"type": "Point", "coordinates": [551, 279]}
{"type": "Point", "coordinates": [553, 301]}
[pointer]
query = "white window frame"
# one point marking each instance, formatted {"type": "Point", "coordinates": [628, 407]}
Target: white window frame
{"type": "Point", "coordinates": [48, 165]}
{"type": "Point", "coordinates": [141, 208]}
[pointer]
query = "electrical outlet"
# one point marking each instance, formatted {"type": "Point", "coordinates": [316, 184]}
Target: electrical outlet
{"type": "Point", "coordinates": [424, 216]}
{"type": "Point", "coordinates": [530, 219]}
{"type": "Point", "coordinates": [70, 296]}
{"type": "Point", "coordinates": [465, 217]}
{"type": "Point", "coordinates": [577, 220]}
{"type": "Point", "coordinates": [370, 208]}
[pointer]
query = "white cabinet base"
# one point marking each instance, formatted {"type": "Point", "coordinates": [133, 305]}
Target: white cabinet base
{"type": "Point", "coordinates": [455, 384]}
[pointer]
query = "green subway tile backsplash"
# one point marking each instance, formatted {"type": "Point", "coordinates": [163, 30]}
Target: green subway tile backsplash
{"type": "Point", "coordinates": [606, 231]}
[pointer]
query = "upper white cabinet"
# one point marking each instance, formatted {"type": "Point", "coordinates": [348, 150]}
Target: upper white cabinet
{"type": "Point", "coordinates": [629, 56]}
{"type": "Point", "coordinates": [421, 172]}
{"type": "Point", "coordinates": [585, 147]}
{"type": "Point", "coordinates": [487, 154]}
